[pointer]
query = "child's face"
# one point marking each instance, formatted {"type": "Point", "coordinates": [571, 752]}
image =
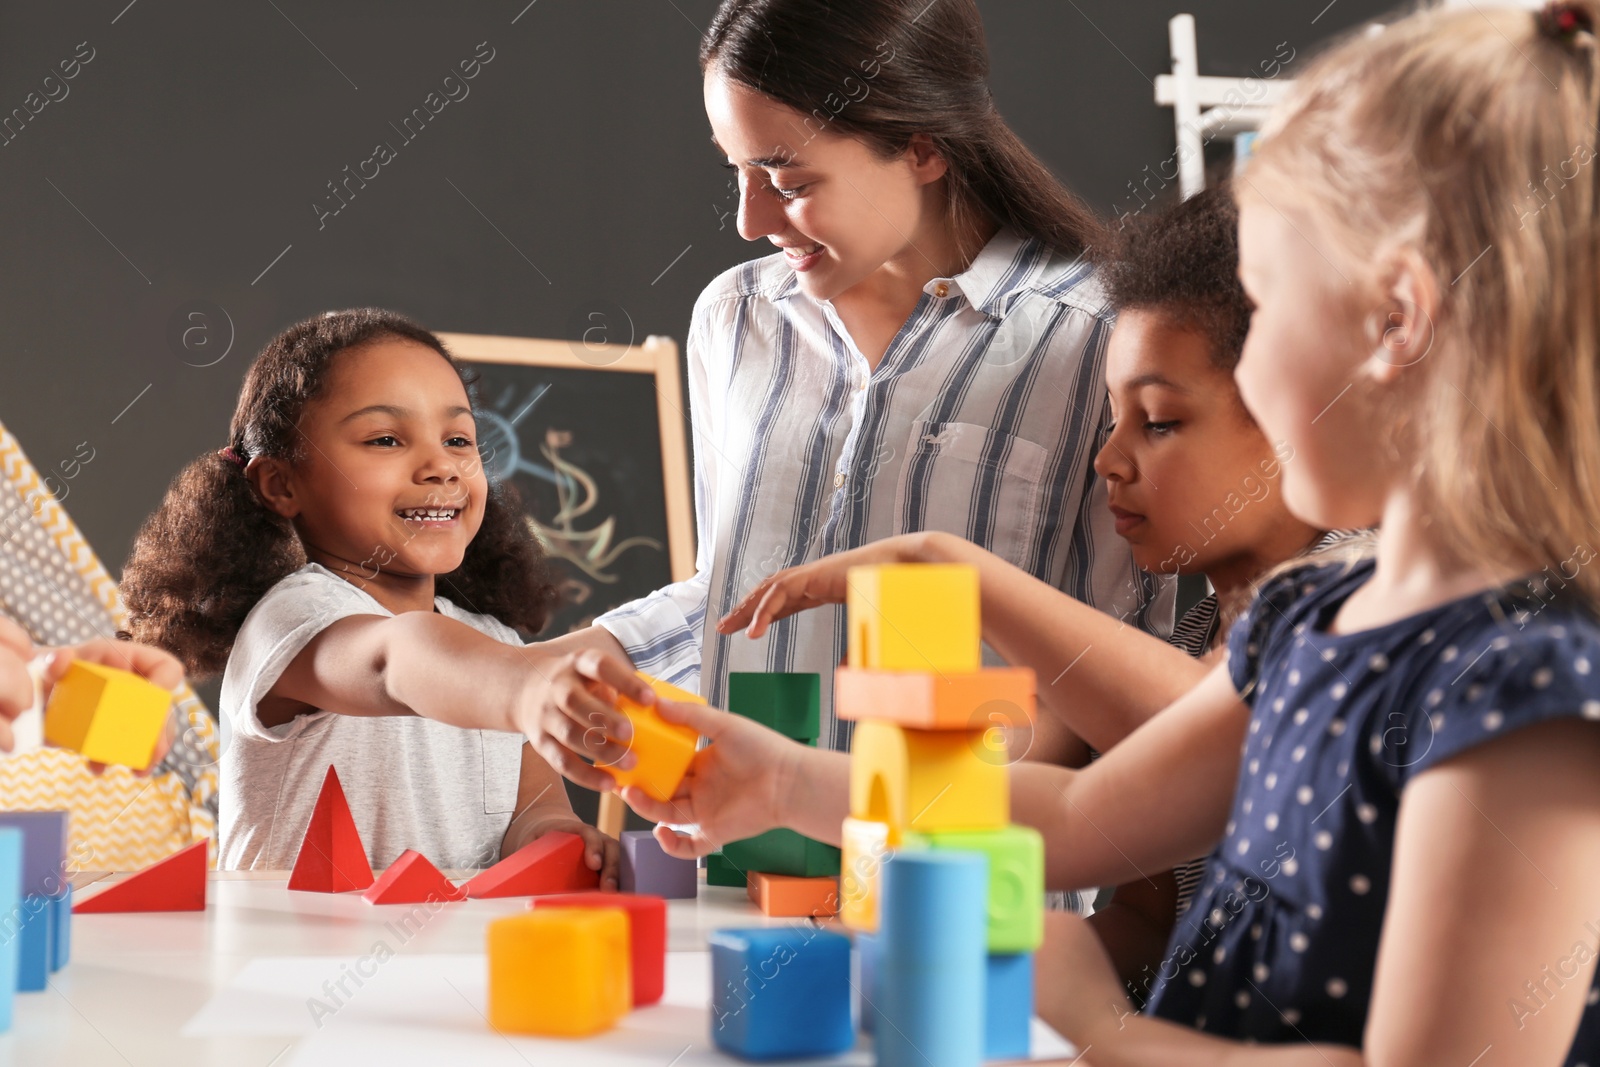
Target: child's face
{"type": "Point", "coordinates": [816, 187]}
{"type": "Point", "coordinates": [1302, 376]}
{"type": "Point", "coordinates": [1194, 485]}
{"type": "Point", "coordinates": [390, 477]}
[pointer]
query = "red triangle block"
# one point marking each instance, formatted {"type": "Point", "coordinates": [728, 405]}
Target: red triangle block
{"type": "Point", "coordinates": [412, 879]}
{"type": "Point", "coordinates": [552, 864]}
{"type": "Point", "coordinates": [332, 858]}
{"type": "Point", "coordinates": [177, 883]}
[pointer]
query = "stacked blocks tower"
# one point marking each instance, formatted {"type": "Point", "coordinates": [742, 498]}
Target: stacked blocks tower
{"type": "Point", "coordinates": [789, 703]}
{"type": "Point", "coordinates": [663, 749]}
{"type": "Point", "coordinates": [32, 923]}
{"type": "Point", "coordinates": [106, 714]}
{"type": "Point", "coordinates": [646, 868]}
{"type": "Point", "coordinates": [780, 993]}
{"type": "Point", "coordinates": [930, 812]}
{"type": "Point", "coordinates": [559, 972]}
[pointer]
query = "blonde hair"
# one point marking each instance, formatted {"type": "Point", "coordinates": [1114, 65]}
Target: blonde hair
{"type": "Point", "coordinates": [1469, 136]}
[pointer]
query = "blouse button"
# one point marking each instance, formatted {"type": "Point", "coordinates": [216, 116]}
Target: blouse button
{"type": "Point", "coordinates": [838, 480]}
{"type": "Point", "coordinates": [941, 290]}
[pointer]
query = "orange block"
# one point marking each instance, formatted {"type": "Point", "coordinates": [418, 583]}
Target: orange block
{"type": "Point", "coordinates": [993, 697]}
{"type": "Point", "coordinates": [784, 896]}
{"type": "Point", "coordinates": [664, 749]}
{"type": "Point", "coordinates": [559, 972]}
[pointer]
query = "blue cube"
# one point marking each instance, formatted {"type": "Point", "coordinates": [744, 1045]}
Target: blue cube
{"type": "Point", "coordinates": [10, 905]}
{"type": "Point", "coordinates": [33, 935]}
{"type": "Point", "coordinates": [61, 929]}
{"type": "Point", "coordinates": [1008, 1007]}
{"type": "Point", "coordinates": [869, 964]}
{"type": "Point", "coordinates": [780, 993]}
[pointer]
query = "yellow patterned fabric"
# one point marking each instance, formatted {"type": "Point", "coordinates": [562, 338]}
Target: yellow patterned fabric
{"type": "Point", "coordinates": [52, 583]}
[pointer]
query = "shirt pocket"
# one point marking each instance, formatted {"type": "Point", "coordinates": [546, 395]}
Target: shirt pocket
{"type": "Point", "coordinates": [502, 770]}
{"type": "Point", "coordinates": [975, 482]}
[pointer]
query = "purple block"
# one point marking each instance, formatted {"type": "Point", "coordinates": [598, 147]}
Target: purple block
{"type": "Point", "coordinates": [648, 869]}
{"type": "Point", "coordinates": [44, 850]}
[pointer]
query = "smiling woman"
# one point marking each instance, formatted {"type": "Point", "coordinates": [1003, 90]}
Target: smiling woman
{"type": "Point", "coordinates": [923, 351]}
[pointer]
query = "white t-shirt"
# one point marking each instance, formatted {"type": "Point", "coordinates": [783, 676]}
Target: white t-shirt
{"type": "Point", "coordinates": [411, 782]}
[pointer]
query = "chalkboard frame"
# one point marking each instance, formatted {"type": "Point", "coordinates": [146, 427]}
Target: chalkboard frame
{"type": "Point", "coordinates": [656, 356]}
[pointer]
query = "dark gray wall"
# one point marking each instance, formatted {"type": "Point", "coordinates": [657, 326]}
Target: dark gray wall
{"type": "Point", "coordinates": [575, 178]}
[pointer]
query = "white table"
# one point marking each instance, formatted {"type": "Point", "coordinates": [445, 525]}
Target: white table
{"type": "Point", "coordinates": [233, 986]}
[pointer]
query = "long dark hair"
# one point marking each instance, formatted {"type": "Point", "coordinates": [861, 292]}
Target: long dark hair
{"type": "Point", "coordinates": [883, 70]}
{"type": "Point", "coordinates": [213, 548]}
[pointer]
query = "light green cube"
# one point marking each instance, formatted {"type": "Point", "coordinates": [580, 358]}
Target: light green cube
{"type": "Point", "coordinates": [1016, 879]}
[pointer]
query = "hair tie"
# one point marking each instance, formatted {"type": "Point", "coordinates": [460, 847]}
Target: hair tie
{"type": "Point", "coordinates": [231, 456]}
{"type": "Point", "coordinates": [1561, 20]}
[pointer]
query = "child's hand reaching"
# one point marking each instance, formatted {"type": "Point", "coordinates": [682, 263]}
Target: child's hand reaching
{"type": "Point", "coordinates": [569, 710]}
{"type": "Point", "coordinates": [16, 685]}
{"type": "Point", "coordinates": [810, 585]}
{"type": "Point", "coordinates": [735, 787]}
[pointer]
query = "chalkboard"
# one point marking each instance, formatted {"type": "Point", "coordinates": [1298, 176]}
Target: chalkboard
{"type": "Point", "coordinates": [592, 436]}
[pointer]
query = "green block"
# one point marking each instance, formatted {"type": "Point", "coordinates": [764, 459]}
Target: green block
{"type": "Point", "coordinates": [1016, 880]}
{"type": "Point", "coordinates": [721, 872]}
{"type": "Point", "coordinates": [788, 703]}
{"type": "Point", "coordinates": [783, 852]}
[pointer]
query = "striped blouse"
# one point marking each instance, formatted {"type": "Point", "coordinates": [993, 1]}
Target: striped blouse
{"type": "Point", "coordinates": [982, 419]}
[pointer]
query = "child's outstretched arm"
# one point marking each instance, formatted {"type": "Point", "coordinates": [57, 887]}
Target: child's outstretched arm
{"type": "Point", "coordinates": [1496, 891]}
{"type": "Point", "coordinates": [421, 663]}
{"type": "Point", "coordinates": [1084, 658]}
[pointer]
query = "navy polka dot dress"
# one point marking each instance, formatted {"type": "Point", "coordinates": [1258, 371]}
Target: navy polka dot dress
{"type": "Point", "coordinates": [1281, 942]}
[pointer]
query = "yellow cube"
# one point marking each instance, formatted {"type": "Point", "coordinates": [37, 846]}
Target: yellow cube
{"type": "Point", "coordinates": [107, 714]}
{"type": "Point", "coordinates": [914, 617]}
{"type": "Point", "coordinates": [863, 849]}
{"type": "Point", "coordinates": [664, 749]}
{"type": "Point", "coordinates": [927, 780]}
{"type": "Point", "coordinates": [559, 972]}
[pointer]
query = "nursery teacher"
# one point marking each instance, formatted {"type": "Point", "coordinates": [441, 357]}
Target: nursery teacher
{"type": "Point", "coordinates": [923, 351]}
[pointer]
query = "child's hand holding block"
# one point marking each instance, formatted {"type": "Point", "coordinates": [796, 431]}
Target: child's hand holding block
{"type": "Point", "coordinates": [663, 749]}
{"type": "Point", "coordinates": [106, 714]}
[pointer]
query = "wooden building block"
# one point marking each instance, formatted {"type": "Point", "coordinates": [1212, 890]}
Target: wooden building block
{"type": "Point", "coordinates": [1008, 1007]}
{"type": "Point", "coordinates": [177, 883]}
{"type": "Point", "coordinates": [783, 851]}
{"type": "Point", "coordinates": [926, 780]}
{"type": "Point", "coordinates": [44, 849]}
{"type": "Point", "coordinates": [780, 993]}
{"type": "Point", "coordinates": [914, 617]}
{"type": "Point", "coordinates": [647, 935]}
{"type": "Point", "coordinates": [646, 868]}
{"type": "Point", "coordinates": [985, 699]}
{"type": "Point", "coordinates": [664, 749]}
{"type": "Point", "coordinates": [866, 846]}
{"type": "Point", "coordinates": [790, 703]}
{"type": "Point", "coordinates": [722, 871]}
{"type": "Point", "coordinates": [559, 972]}
{"type": "Point", "coordinates": [412, 879]}
{"type": "Point", "coordinates": [332, 858]}
{"type": "Point", "coordinates": [931, 963]}
{"type": "Point", "coordinates": [1016, 880]}
{"type": "Point", "coordinates": [552, 864]}
{"type": "Point", "coordinates": [784, 896]}
{"type": "Point", "coordinates": [106, 714]}
{"type": "Point", "coordinates": [10, 905]}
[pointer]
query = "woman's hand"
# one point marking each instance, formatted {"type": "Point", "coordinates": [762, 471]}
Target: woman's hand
{"type": "Point", "coordinates": [568, 710]}
{"type": "Point", "coordinates": [813, 584]}
{"type": "Point", "coordinates": [735, 787]}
